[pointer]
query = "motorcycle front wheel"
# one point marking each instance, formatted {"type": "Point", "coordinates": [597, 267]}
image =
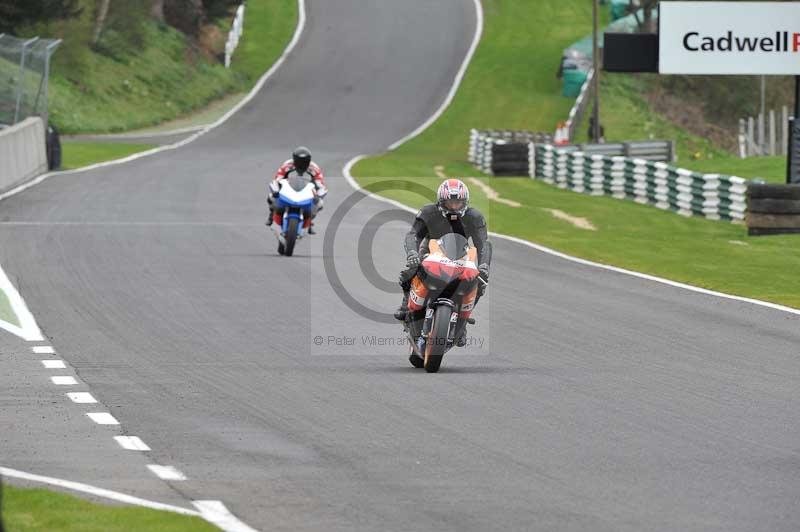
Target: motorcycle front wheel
{"type": "Point", "coordinates": [437, 342]}
{"type": "Point", "coordinates": [291, 236]}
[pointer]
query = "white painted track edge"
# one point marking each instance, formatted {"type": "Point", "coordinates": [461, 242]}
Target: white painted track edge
{"type": "Point", "coordinates": [97, 492]}
{"type": "Point", "coordinates": [346, 172]}
{"type": "Point", "coordinates": [28, 329]}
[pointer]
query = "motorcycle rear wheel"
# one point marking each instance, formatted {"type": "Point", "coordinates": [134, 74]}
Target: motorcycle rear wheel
{"type": "Point", "coordinates": [437, 342]}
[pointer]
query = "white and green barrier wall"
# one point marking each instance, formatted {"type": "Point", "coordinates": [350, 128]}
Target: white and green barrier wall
{"type": "Point", "coordinates": [712, 196]}
{"type": "Point", "coordinates": [656, 183]}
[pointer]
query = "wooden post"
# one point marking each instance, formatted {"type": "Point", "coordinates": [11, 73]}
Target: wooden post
{"type": "Point", "coordinates": [596, 77]}
{"type": "Point", "coordinates": [772, 132]}
{"type": "Point", "coordinates": [742, 140]}
{"type": "Point", "coordinates": [784, 130]}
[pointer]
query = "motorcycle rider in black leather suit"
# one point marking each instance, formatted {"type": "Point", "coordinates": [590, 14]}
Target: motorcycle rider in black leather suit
{"type": "Point", "coordinates": [450, 214]}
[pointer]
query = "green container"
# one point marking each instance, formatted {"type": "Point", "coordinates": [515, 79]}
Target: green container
{"type": "Point", "coordinates": [573, 81]}
{"type": "Point", "coordinates": [619, 8]}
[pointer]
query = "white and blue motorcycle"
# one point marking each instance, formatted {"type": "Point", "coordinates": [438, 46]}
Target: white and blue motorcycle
{"type": "Point", "coordinates": [296, 198]}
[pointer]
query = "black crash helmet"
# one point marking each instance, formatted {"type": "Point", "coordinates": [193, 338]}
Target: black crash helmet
{"type": "Point", "coordinates": [302, 159]}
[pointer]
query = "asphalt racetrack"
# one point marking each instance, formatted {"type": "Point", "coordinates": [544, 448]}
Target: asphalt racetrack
{"type": "Point", "coordinates": [587, 399]}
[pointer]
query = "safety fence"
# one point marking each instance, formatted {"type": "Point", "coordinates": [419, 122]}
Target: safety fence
{"type": "Point", "coordinates": [24, 77]}
{"type": "Point", "coordinates": [712, 196]}
{"type": "Point", "coordinates": [579, 108]}
{"type": "Point", "coordinates": [237, 30]}
{"type": "Point", "coordinates": [766, 134]}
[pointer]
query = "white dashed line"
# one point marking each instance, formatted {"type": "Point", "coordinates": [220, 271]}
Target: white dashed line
{"type": "Point", "coordinates": [64, 380]}
{"type": "Point", "coordinates": [81, 397]}
{"type": "Point", "coordinates": [44, 350]}
{"type": "Point", "coordinates": [166, 472]}
{"type": "Point", "coordinates": [53, 364]}
{"type": "Point", "coordinates": [131, 443]}
{"type": "Point", "coordinates": [103, 418]}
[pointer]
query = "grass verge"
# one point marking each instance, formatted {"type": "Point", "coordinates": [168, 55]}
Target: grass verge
{"type": "Point", "coordinates": [78, 154]}
{"type": "Point", "coordinates": [770, 169]}
{"type": "Point", "coordinates": [6, 312]}
{"type": "Point", "coordinates": [166, 78]}
{"type": "Point", "coordinates": [517, 68]}
{"type": "Point", "coordinates": [38, 509]}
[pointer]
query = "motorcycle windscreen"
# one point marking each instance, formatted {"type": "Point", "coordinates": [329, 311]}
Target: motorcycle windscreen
{"type": "Point", "coordinates": [454, 246]}
{"type": "Point", "coordinates": [298, 182]}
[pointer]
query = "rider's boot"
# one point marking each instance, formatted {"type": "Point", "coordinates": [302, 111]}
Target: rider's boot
{"type": "Point", "coordinates": [268, 223]}
{"type": "Point", "coordinates": [402, 311]}
{"type": "Point", "coordinates": [416, 360]}
{"type": "Point", "coordinates": [311, 230]}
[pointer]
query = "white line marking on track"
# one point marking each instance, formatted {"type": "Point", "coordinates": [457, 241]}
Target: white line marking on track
{"type": "Point", "coordinates": [81, 397]}
{"type": "Point", "coordinates": [98, 492]}
{"type": "Point", "coordinates": [216, 513]}
{"type": "Point", "coordinates": [64, 380]}
{"type": "Point", "coordinates": [131, 443]}
{"type": "Point", "coordinates": [53, 364]}
{"type": "Point", "coordinates": [27, 328]}
{"type": "Point", "coordinates": [103, 418]}
{"type": "Point", "coordinates": [166, 472]}
{"type": "Point", "coordinates": [346, 172]}
{"type": "Point", "coordinates": [456, 81]}
{"type": "Point", "coordinates": [44, 350]}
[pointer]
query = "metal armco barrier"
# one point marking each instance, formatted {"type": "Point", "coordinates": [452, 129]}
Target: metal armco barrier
{"type": "Point", "coordinates": [773, 209]}
{"type": "Point", "coordinates": [712, 196]}
{"type": "Point", "coordinates": [22, 153]}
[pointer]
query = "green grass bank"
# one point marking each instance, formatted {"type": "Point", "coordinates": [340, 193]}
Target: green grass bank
{"type": "Point", "coordinates": [163, 79]}
{"type": "Point", "coordinates": [37, 510]}
{"type": "Point", "coordinates": [161, 87]}
{"type": "Point", "coordinates": [78, 154]}
{"type": "Point", "coordinates": [511, 84]}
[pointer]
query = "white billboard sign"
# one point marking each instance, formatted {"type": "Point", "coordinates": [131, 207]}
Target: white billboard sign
{"type": "Point", "coordinates": [729, 38]}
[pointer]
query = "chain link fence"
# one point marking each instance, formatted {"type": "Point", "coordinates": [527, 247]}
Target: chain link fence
{"type": "Point", "coordinates": [24, 77]}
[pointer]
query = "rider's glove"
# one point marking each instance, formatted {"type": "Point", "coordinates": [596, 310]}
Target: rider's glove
{"type": "Point", "coordinates": [412, 259]}
{"type": "Point", "coordinates": [484, 275]}
{"type": "Point", "coordinates": [274, 189]}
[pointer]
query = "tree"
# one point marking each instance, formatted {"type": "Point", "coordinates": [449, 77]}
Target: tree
{"type": "Point", "coordinates": [14, 13]}
{"type": "Point", "coordinates": [646, 23]}
{"type": "Point", "coordinates": [100, 20]}
{"type": "Point", "coordinates": [157, 10]}
{"type": "Point", "coordinates": [185, 15]}
{"type": "Point", "coordinates": [219, 8]}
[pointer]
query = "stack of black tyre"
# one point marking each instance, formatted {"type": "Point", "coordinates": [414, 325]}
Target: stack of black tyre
{"type": "Point", "coordinates": [773, 209]}
{"type": "Point", "coordinates": [510, 159]}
